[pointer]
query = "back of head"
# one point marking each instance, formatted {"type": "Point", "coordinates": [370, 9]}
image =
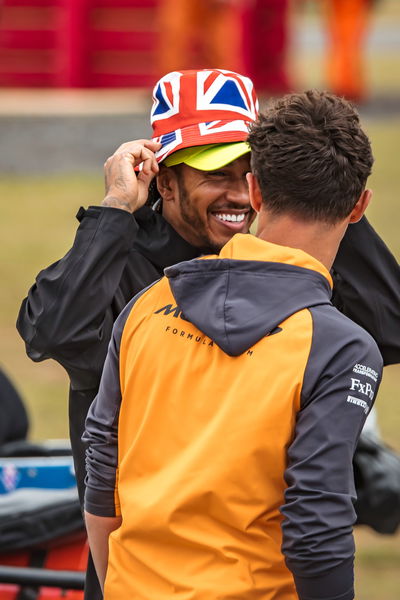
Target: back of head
{"type": "Point", "coordinates": [310, 156]}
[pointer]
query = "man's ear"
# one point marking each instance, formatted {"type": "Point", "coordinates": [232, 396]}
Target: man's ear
{"type": "Point", "coordinates": [167, 183]}
{"type": "Point", "coordinates": [361, 206]}
{"type": "Point", "coordinates": [254, 192]}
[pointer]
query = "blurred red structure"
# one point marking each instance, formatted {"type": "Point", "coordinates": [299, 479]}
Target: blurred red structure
{"type": "Point", "coordinates": [248, 36]}
{"type": "Point", "coordinates": [196, 34]}
{"type": "Point", "coordinates": [265, 36]}
{"type": "Point", "coordinates": [64, 554]}
{"type": "Point", "coordinates": [131, 43]}
{"type": "Point", "coordinates": [77, 43]}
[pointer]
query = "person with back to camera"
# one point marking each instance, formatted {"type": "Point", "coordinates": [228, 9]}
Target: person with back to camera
{"type": "Point", "coordinates": [125, 244]}
{"type": "Point", "coordinates": [233, 392]}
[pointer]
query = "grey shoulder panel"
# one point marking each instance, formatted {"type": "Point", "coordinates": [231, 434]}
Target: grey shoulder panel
{"type": "Point", "coordinates": [101, 427]}
{"type": "Point", "coordinates": [340, 383]}
{"type": "Point", "coordinates": [340, 346]}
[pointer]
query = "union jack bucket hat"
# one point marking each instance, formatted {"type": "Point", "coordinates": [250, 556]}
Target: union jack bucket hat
{"type": "Point", "coordinates": [200, 107]}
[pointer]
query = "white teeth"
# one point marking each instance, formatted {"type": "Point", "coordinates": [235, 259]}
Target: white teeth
{"type": "Point", "coordinates": [232, 218]}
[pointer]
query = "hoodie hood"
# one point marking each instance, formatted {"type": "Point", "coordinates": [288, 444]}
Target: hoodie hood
{"type": "Point", "coordinates": [243, 294]}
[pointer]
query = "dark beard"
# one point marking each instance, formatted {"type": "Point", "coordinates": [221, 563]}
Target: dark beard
{"type": "Point", "coordinates": [206, 245]}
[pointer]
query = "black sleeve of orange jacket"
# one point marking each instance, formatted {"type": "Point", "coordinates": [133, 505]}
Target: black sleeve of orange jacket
{"type": "Point", "coordinates": [101, 431]}
{"type": "Point", "coordinates": [340, 384]}
{"type": "Point", "coordinates": [68, 314]}
{"type": "Point", "coordinates": [367, 287]}
{"type": "Point", "coordinates": [101, 428]}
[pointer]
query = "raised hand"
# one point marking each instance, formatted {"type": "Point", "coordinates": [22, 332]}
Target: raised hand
{"type": "Point", "coordinates": [125, 188]}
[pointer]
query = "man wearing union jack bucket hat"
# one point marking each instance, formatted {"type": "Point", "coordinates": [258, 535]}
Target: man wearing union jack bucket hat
{"type": "Point", "coordinates": [200, 121]}
{"type": "Point", "coordinates": [193, 108]}
{"type": "Point", "coordinates": [195, 166]}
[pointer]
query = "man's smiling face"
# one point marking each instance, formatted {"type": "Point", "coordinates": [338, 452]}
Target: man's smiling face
{"type": "Point", "coordinates": [208, 207]}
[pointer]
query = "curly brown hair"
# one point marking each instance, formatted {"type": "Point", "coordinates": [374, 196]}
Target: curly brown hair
{"type": "Point", "coordinates": [310, 156]}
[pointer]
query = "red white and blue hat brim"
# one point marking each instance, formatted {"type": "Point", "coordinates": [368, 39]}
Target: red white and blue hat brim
{"type": "Point", "coordinates": [214, 132]}
{"type": "Point", "coordinates": [201, 107]}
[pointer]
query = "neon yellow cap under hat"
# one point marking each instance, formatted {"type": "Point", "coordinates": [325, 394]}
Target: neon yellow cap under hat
{"type": "Point", "coordinates": [209, 157]}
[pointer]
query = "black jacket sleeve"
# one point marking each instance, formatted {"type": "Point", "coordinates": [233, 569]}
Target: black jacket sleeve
{"type": "Point", "coordinates": [70, 310]}
{"type": "Point", "coordinates": [367, 287]}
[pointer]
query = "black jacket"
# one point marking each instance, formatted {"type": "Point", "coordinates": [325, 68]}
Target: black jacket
{"type": "Point", "coordinates": [70, 310]}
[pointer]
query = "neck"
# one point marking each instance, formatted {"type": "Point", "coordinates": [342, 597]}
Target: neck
{"type": "Point", "coordinates": [320, 240]}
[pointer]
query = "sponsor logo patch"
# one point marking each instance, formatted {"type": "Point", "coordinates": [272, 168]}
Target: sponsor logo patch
{"type": "Point", "coordinates": [362, 388]}
{"type": "Point", "coordinates": [358, 402]}
{"type": "Point", "coordinates": [367, 371]}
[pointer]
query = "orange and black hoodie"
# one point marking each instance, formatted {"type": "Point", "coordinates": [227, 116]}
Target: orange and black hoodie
{"type": "Point", "coordinates": [223, 432]}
